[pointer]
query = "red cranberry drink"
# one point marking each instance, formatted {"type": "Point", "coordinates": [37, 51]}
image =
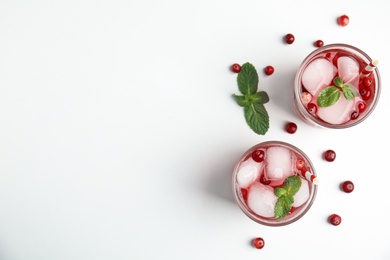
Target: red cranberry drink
{"type": "Point", "coordinates": [274, 183]}
{"type": "Point", "coordinates": [336, 86]}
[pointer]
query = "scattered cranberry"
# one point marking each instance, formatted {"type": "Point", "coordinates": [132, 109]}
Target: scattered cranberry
{"type": "Point", "coordinates": [361, 106]}
{"type": "Point", "coordinates": [367, 81]}
{"type": "Point", "coordinates": [289, 38]}
{"type": "Point", "coordinates": [291, 127]}
{"type": "Point", "coordinates": [258, 155]}
{"type": "Point", "coordinates": [264, 180]}
{"type": "Point", "coordinates": [343, 20]}
{"type": "Point", "coordinates": [312, 108]}
{"type": "Point", "coordinates": [300, 164]}
{"type": "Point", "coordinates": [291, 210]}
{"type": "Point", "coordinates": [354, 115]}
{"type": "Point", "coordinates": [330, 155]}
{"type": "Point", "coordinates": [334, 219]}
{"type": "Point", "coordinates": [319, 43]}
{"type": "Point", "coordinates": [365, 93]}
{"type": "Point", "coordinates": [258, 243]}
{"type": "Point", "coordinates": [236, 68]}
{"type": "Point", "coordinates": [347, 186]}
{"type": "Point", "coordinates": [269, 70]}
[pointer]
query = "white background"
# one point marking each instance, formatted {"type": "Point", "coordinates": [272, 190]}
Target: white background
{"type": "Point", "coordinates": [119, 134]}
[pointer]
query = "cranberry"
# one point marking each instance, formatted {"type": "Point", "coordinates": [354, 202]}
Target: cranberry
{"type": "Point", "coordinates": [244, 194]}
{"type": "Point", "coordinates": [354, 115]}
{"type": "Point", "coordinates": [365, 93]}
{"type": "Point", "coordinates": [361, 106]}
{"type": "Point", "coordinates": [334, 219]}
{"type": "Point", "coordinates": [343, 20]}
{"type": "Point", "coordinates": [269, 70]}
{"type": "Point", "coordinates": [300, 164]}
{"type": "Point", "coordinates": [367, 81]}
{"type": "Point", "coordinates": [258, 243]}
{"type": "Point", "coordinates": [258, 155]}
{"type": "Point", "coordinates": [312, 108]}
{"type": "Point", "coordinates": [319, 43]}
{"type": "Point", "coordinates": [330, 155]}
{"type": "Point", "coordinates": [291, 210]}
{"type": "Point", "coordinates": [347, 186]}
{"type": "Point", "coordinates": [289, 38]}
{"type": "Point", "coordinates": [236, 68]}
{"type": "Point", "coordinates": [264, 180]}
{"type": "Point", "coordinates": [335, 59]}
{"type": "Point", "coordinates": [291, 127]}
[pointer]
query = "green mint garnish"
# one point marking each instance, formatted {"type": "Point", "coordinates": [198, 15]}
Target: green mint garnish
{"type": "Point", "coordinates": [253, 102]}
{"type": "Point", "coordinates": [330, 95]}
{"type": "Point", "coordinates": [286, 196]}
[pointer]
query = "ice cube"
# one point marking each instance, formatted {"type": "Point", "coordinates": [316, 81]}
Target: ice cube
{"type": "Point", "coordinates": [338, 113]}
{"type": "Point", "coordinates": [261, 200]}
{"type": "Point", "coordinates": [248, 172]}
{"type": "Point", "coordinates": [317, 75]}
{"type": "Point", "coordinates": [348, 69]}
{"type": "Point", "coordinates": [303, 194]}
{"type": "Point", "coordinates": [278, 163]}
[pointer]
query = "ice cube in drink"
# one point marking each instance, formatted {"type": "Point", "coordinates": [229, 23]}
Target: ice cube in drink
{"type": "Point", "coordinates": [319, 71]}
{"type": "Point", "coordinates": [254, 182]}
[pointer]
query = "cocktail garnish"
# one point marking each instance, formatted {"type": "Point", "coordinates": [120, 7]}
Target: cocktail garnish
{"type": "Point", "coordinates": [330, 95]}
{"type": "Point", "coordinates": [286, 195]}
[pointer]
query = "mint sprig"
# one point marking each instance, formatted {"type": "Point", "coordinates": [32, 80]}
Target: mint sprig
{"type": "Point", "coordinates": [285, 195]}
{"type": "Point", "coordinates": [253, 102]}
{"type": "Point", "coordinates": [330, 95]}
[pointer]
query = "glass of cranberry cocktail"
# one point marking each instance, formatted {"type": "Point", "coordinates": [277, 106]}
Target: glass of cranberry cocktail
{"type": "Point", "coordinates": [274, 183]}
{"type": "Point", "coordinates": [336, 86]}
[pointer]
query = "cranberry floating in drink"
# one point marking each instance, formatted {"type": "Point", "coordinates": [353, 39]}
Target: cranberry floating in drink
{"type": "Point", "coordinates": [336, 86]}
{"type": "Point", "coordinates": [277, 189]}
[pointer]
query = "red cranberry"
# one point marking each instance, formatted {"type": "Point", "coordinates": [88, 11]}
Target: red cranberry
{"type": "Point", "coordinates": [365, 93]}
{"type": "Point", "coordinates": [343, 20]}
{"type": "Point", "coordinates": [258, 243]}
{"type": "Point", "coordinates": [347, 186]}
{"type": "Point", "coordinates": [264, 180]}
{"type": "Point", "coordinates": [312, 108]}
{"type": "Point", "coordinates": [318, 43]}
{"type": "Point", "coordinates": [361, 106]}
{"type": "Point", "coordinates": [269, 70]}
{"type": "Point", "coordinates": [334, 219]}
{"type": "Point", "coordinates": [289, 38]}
{"type": "Point", "coordinates": [244, 194]}
{"type": "Point", "coordinates": [300, 164]}
{"type": "Point", "coordinates": [258, 155]}
{"type": "Point", "coordinates": [291, 127]}
{"type": "Point", "coordinates": [367, 81]}
{"type": "Point", "coordinates": [236, 68]}
{"type": "Point", "coordinates": [354, 115]}
{"type": "Point", "coordinates": [330, 155]}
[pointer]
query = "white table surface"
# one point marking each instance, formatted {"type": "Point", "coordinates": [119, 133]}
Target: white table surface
{"type": "Point", "coordinates": [119, 134]}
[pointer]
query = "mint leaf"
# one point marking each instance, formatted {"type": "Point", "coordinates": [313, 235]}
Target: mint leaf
{"type": "Point", "coordinates": [257, 117]}
{"type": "Point", "coordinates": [279, 192]}
{"type": "Point", "coordinates": [338, 82]}
{"type": "Point", "coordinates": [241, 100]}
{"type": "Point", "coordinates": [348, 94]}
{"type": "Point", "coordinates": [328, 96]}
{"type": "Point", "coordinates": [283, 206]}
{"type": "Point", "coordinates": [260, 97]}
{"type": "Point", "coordinates": [292, 184]}
{"type": "Point", "coordinates": [253, 102]}
{"type": "Point", "coordinates": [247, 79]}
